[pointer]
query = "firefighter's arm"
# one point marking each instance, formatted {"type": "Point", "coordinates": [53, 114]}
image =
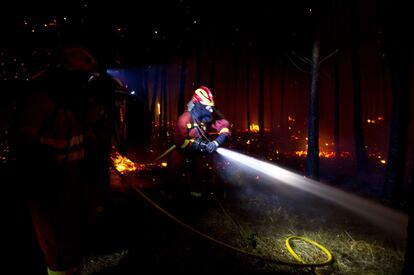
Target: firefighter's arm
{"type": "Point", "coordinates": [33, 112]}
{"type": "Point", "coordinates": [183, 138]}
{"type": "Point", "coordinates": [222, 127]}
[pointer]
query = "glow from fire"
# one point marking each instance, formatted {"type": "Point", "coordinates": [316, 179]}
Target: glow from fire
{"type": "Point", "coordinates": [254, 128]}
{"type": "Point", "coordinates": [124, 164]}
{"type": "Point", "coordinates": [373, 121]}
{"type": "Point", "coordinates": [386, 218]}
{"type": "Point", "coordinates": [326, 150]}
{"type": "Point", "coordinates": [323, 154]}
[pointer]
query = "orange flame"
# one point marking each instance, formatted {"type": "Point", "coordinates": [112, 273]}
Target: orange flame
{"type": "Point", "coordinates": [322, 154]}
{"type": "Point", "coordinates": [123, 164]}
{"type": "Point", "coordinates": [254, 128]}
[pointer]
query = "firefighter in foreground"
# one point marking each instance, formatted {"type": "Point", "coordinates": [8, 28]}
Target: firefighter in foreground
{"type": "Point", "coordinates": [64, 135]}
{"type": "Point", "coordinates": [199, 129]}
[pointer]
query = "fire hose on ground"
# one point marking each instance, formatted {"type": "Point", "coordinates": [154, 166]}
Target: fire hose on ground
{"type": "Point", "coordinates": [288, 242]}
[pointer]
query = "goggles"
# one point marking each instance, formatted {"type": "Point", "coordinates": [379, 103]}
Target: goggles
{"type": "Point", "coordinates": [209, 108]}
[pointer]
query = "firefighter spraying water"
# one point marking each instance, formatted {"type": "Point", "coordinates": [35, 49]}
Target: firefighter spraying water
{"type": "Point", "coordinates": [187, 157]}
{"type": "Point", "coordinates": [198, 130]}
{"type": "Point", "coordinates": [192, 139]}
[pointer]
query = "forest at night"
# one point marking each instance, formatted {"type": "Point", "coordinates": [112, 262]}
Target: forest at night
{"type": "Point", "coordinates": [312, 175]}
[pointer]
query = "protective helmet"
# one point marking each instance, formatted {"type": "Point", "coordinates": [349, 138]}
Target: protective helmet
{"type": "Point", "coordinates": [79, 59]}
{"type": "Point", "coordinates": [203, 96]}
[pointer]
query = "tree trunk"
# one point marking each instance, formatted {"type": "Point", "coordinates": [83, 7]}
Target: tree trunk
{"type": "Point", "coordinates": [360, 151]}
{"type": "Point", "coordinates": [312, 168]}
{"type": "Point", "coordinates": [144, 85]}
{"type": "Point", "coordinates": [399, 52]}
{"type": "Point", "coordinates": [336, 110]}
{"type": "Point", "coordinates": [164, 104]}
{"type": "Point", "coordinates": [154, 94]}
{"type": "Point", "coordinates": [198, 65]}
{"type": "Point", "coordinates": [282, 96]}
{"type": "Point", "coordinates": [212, 69]}
{"type": "Point", "coordinates": [248, 90]}
{"type": "Point", "coordinates": [394, 175]}
{"type": "Point", "coordinates": [236, 84]}
{"type": "Point", "coordinates": [272, 120]}
{"type": "Point", "coordinates": [183, 78]}
{"type": "Point", "coordinates": [261, 99]}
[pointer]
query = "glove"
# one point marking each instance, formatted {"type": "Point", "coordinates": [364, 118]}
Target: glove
{"type": "Point", "coordinates": [212, 146]}
{"type": "Point", "coordinates": [198, 145]}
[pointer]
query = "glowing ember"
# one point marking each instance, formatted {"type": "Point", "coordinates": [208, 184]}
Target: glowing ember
{"type": "Point", "coordinates": [254, 128]}
{"type": "Point", "coordinates": [383, 161]}
{"type": "Point", "coordinates": [301, 153]}
{"type": "Point", "coordinates": [323, 154]}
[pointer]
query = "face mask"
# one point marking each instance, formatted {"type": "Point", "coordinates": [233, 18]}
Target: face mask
{"type": "Point", "coordinates": [207, 118]}
{"type": "Point", "coordinates": [201, 113]}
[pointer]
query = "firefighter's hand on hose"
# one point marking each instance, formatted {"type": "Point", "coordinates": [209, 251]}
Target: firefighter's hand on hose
{"type": "Point", "coordinates": [198, 145]}
{"type": "Point", "coordinates": [212, 146]}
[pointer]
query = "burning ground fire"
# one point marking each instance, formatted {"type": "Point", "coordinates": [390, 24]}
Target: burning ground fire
{"type": "Point", "coordinates": [254, 128]}
{"type": "Point", "coordinates": [124, 164]}
{"type": "Point", "coordinates": [322, 154]}
{"type": "Point", "coordinates": [326, 147]}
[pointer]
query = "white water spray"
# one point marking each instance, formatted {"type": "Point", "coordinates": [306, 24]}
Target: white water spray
{"type": "Point", "coordinates": [387, 218]}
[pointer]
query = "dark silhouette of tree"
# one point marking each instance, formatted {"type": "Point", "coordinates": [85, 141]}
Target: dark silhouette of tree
{"type": "Point", "coordinates": [236, 79]}
{"type": "Point", "coordinates": [336, 109]}
{"type": "Point", "coordinates": [164, 104]}
{"type": "Point", "coordinates": [139, 105]}
{"type": "Point", "coordinates": [399, 50]}
{"type": "Point", "coordinates": [212, 62]}
{"type": "Point", "coordinates": [271, 97]}
{"type": "Point", "coordinates": [312, 168]}
{"type": "Point", "coordinates": [154, 93]}
{"type": "Point", "coordinates": [248, 88]}
{"type": "Point", "coordinates": [282, 95]}
{"type": "Point", "coordinates": [360, 151]}
{"type": "Point", "coordinates": [183, 79]}
{"type": "Point", "coordinates": [261, 97]}
{"type": "Point", "coordinates": [198, 64]}
{"type": "Point", "coordinates": [144, 85]}
{"type": "Point", "coordinates": [337, 106]}
{"type": "Point", "coordinates": [398, 42]}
